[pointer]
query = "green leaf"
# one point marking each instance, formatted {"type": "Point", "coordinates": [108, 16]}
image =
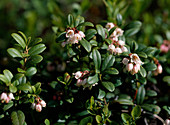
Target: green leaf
{"type": "Point", "coordinates": [36, 59]}
{"type": "Point", "coordinates": [150, 66]}
{"type": "Point", "coordinates": [98, 118]}
{"type": "Point", "coordinates": [19, 40]}
{"type": "Point", "coordinates": [97, 60]}
{"type": "Point", "coordinates": [119, 19]}
{"type": "Point", "coordinates": [93, 79]}
{"type": "Point", "coordinates": [86, 120]}
{"type": "Point", "coordinates": [167, 108]}
{"type": "Point", "coordinates": [109, 86]}
{"type": "Point", "coordinates": [31, 71]}
{"type": "Point", "coordinates": [61, 37]}
{"type": "Point", "coordinates": [3, 78]}
{"type": "Point", "coordinates": [93, 42]}
{"type": "Point", "coordinates": [47, 122]}
{"type": "Point", "coordinates": [23, 35]}
{"type": "Point", "coordinates": [14, 52]}
{"type": "Point", "coordinates": [8, 106]}
{"type": "Point", "coordinates": [142, 71]}
{"type": "Point", "coordinates": [24, 87]}
{"type": "Point", "coordinates": [112, 30]}
{"type": "Point", "coordinates": [136, 112]}
{"type": "Point", "coordinates": [101, 94]}
{"type": "Point", "coordinates": [8, 75]}
{"type": "Point", "coordinates": [13, 89]}
{"type": "Point", "coordinates": [86, 45]}
{"type": "Point", "coordinates": [151, 108]}
{"type": "Point", "coordinates": [111, 71]}
{"type": "Point", "coordinates": [124, 101]}
{"type": "Point", "coordinates": [125, 117]}
{"type": "Point", "coordinates": [37, 49]}
{"type": "Point", "coordinates": [86, 24]}
{"type": "Point", "coordinates": [140, 95]}
{"type": "Point", "coordinates": [100, 31]}
{"type": "Point", "coordinates": [78, 20]}
{"type": "Point", "coordinates": [90, 33]}
{"type": "Point", "coordinates": [18, 117]}
{"type": "Point", "coordinates": [151, 93]}
{"type": "Point", "coordinates": [70, 20]}
{"type": "Point", "coordinates": [108, 62]}
{"type": "Point", "coordinates": [21, 70]}
{"type": "Point", "coordinates": [142, 54]}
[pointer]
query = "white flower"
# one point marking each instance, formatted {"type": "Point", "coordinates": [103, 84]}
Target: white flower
{"type": "Point", "coordinates": [11, 96]}
{"type": "Point", "coordinates": [135, 58]}
{"type": "Point", "coordinates": [43, 104]}
{"type": "Point", "coordinates": [117, 50]}
{"type": "Point", "coordinates": [38, 108]}
{"type": "Point", "coordinates": [109, 26]}
{"type": "Point", "coordinates": [124, 49]}
{"type": "Point", "coordinates": [159, 69]}
{"type": "Point", "coordinates": [119, 32]}
{"type": "Point", "coordinates": [129, 67]}
{"type": "Point", "coordinates": [121, 42]}
{"type": "Point", "coordinates": [4, 96]}
{"type": "Point", "coordinates": [114, 38]}
{"type": "Point", "coordinates": [125, 61]}
{"type": "Point", "coordinates": [72, 40]}
{"type": "Point", "coordinates": [81, 34]}
{"type": "Point", "coordinates": [77, 36]}
{"type": "Point", "coordinates": [135, 69]}
{"type": "Point", "coordinates": [33, 105]}
{"type": "Point", "coordinates": [70, 33]}
{"type": "Point", "coordinates": [78, 74]}
{"type": "Point", "coordinates": [111, 48]}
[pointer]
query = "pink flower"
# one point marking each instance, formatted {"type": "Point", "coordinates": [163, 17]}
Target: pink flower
{"type": "Point", "coordinates": [159, 68]}
{"type": "Point", "coordinates": [70, 33]}
{"type": "Point", "coordinates": [118, 32]}
{"type": "Point", "coordinates": [77, 36]}
{"type": "Point", "coordinates": [164, 48]}
{"type": "Point", "coordinates": [125, 61]}
{"type": "Point", "coordinates": [135, 69]}
{"type": "Point", "coordinates": [43, 104]}
{"type": "Point", "coordinates": [38, 108]}
{"type": "Point", "coordinates": [109, 26]}
{"type": "Point", "coordinates": [4, 96]}
{"type": "Point", "coordinates": [135, 58]}
{"type": "Point", "coordinates": [117, 50]}
{"type": "Point", "coordinates": [124, 49]}
{"type": "Point", "coordinates": [129, 67]}
{"type": "Point", "coordinates": [121, 42]}
{"type": "Point", "coordinates": [33, 105]}
{"type": "Point", "coordinates": [81, 34]}
{"type": "Point", "coordinates": [77, 74]}
{"type": "Point", "coordinates": [7, 100]}
{"type": "Point", "coordinates": [111, 48]}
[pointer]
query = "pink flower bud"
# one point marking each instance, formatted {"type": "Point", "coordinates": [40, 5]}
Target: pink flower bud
{"type": "Point", "coordinates": [43, 104]}
{"type": "Point", "coordinates": [118, 50]}
{"type": "Point", "coordinates": [159, 69]}
{"type": "Point", "coordinates": [77, 74]}
{"type": "Point", "coordinates": [70, 33]}
{"type": "Point", "coordinates": [33, 105]}
{"type": "Point", "coordinates": [164, 48]}
{"type": "Point", "coordinates": [129, 67]}
{"type": "Point", "coordinates": [111, 48]}
{"type": "Point", "coordinates": [7, 100]}
{"type": "Point", "coordinates": [79, 82]}
{"type": "Point", "coordinates": [121, 42]}
{"type": "Point", "coordinates": [125, 61]}
{"type": "Point", "coordinates": [11, 96]}
{"type": "Point", "coordinates": [38, 108]}
{"type": "Point", "coordinates": [124, 49]}
{"type": "Point", "coordinates": [81, 34]}
{"type": "Point", "coordinates": [135, 69]}
{"type": "Point", "coordinates": [4, 96]}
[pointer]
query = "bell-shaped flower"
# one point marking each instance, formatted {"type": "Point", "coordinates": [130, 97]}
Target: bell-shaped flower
{"type": "Point", "coordinates": [121, 42]}
{"type": "Point", "coordinates": [81, 34]}
{"type": "Point", "coordinates": [43, 104]}
{"type": "Point", "coordinates": [159, 68]}
{"type": "Point", "coordinates": [124, 49]}
{"type": "Point", "coordinates": [109, 26]}
{"type": "Point", "coordinates": [135, 59]}
{"type": "Point", "coordinates": [11, 96]}
{"type": "Point", "coordinates": [129, 67]}
{"type": "Point", "coordinates": [4, 96]}
{"type": "Point", "coordinates": [38, 108]}
{"type": "Point", "coordinates": [70, 33]}
{"type": "Point", "coordinates": [78, 74]}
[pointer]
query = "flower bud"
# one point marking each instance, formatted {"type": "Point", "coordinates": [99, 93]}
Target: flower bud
{"type": "Point", "coordinates": [7, 100]}
{"type": "Point", "coordinates": [135, 69]}
{"type": "Point", "coordinates": [33, 105]}
{"type": "Point", "coordinates": [4, 96]}
{"type": "Point", "coordinates": [111, 48]}
{"type": "Point", "coordinates": [119, 32]}
{"type": "Point", "coordinates": [159, 68]}
{"type": "Point", "coordinates": [77, 74]}
{"type": "Point", "coordinates": [118, 50]}
{"type": "Point", "coordinates": [81, 34]}
{"type": "Point", "coordinates": [79, 82]}
{"type": "Point", "coordinates": [43, 104]}
{"type": "Point", "coordinates": [121, 42]}
{"type": "Point", "coordinates": [124, 49]}
{"type": "Point", "coordinates": [167, 122]}
{"type": "Point", "coordinates": [125, 61]}
{"type": "Point", "coordinates": [11, 96]}
{"type": "Point", "coordinates": [129, 67]}
{"type": "Point", "coordinates": [38, 108]}
{"type": "Point", "coordinates": [70, 33]}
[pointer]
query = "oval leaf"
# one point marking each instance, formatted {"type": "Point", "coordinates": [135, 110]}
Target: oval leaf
{"type": "Point", "coordinates": [93, 79]}
{"type": "Point", "coordinates": [19, 40]}
{"type": "Point", "coordinates": [97, 60]}
{"type": "Point", "coordinates": [108, 62]}
{"type": "Point", "coordinates": [86, 45]}
{"type": "Point", "coordinates": [37, 49]}
{"type": "Point", "coordinates": [140, 95]}
{"type": "Point", "coordinates": [31, 71]}
{"type": "Point", "coordinates": [100, 31]}
{"type": "Point", "coordinates": [14, 52]}
{"type": "Point", "coordinates": [109, 86]}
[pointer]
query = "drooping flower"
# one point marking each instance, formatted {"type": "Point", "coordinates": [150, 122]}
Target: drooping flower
{"type": "Point", "coordinates": [81, 34]}
{"type": "Point", "coordinates": [70, 33]}
{"type": "Point", "coordinates": [4, 96]}
{"type": "Point", "coordinates": [43, 104]}
{"type": "Point", "coordinates": [121, 42]}
{"type": "Point", "coordinates": [109, 26]}
{"type": "Point", "coordinates": [11, 96]}
{"type": "Point", "coordinates": [124, 49]}
{"type": "Point", "coordinates": [111, 48]}
{"type": "Point", "coordinates": [38, 108]}
{"type": "Point", "coordinates": [135, 59]}
{"type": "Point", "coordinates": [78, 74]}
{"type": "Point", "coordinates": [129, 67]}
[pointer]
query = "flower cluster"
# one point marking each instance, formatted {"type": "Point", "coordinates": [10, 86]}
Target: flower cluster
{"type": "Point", "coordinates": [117, 46]}
{"type": "Point", "coordinates": [38, 105]}
{"type": "Point", "coordinates": [165, 47]}
{"type": "Point", "coordinates": [133, 63]}
{"type": "Point", "coordinates": [6, 97]}
{"type": "Point", "coordinates": [159, 68]}
{"type": "Point", "coordinates": [73, 36]}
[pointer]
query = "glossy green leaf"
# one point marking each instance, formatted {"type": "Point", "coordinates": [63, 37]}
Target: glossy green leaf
{"type": "Point", "coordinates": [151, 93]}
{"type": "Point", "coordinates": [86, 45]}
{"type": "Point", "coordinates": [86, 24]}
{"type": "Point", "coordinates": [150, 66]}
{"type": "Point", "coordinates": [14, 52]}
{"type": "Point", "coordinates": [79, 19]}
{"type": "Point", "coordinates": [167, 108]}
{"type": "Point", "coordinates": [13, 89]}
{"type": "Point", "coordinates": [93, 42]}
{"type": "Point", "coordinates": [31, 71]}
{"type": "Point", "coordinates": [136, 112]}
{"type": "Point", "coordinates": [108, 62]}
{"type": "Point", "coordinates": [98, 118]}
{"type": "Point", "coordinates": [37, 49]}
{"type": "Point", "coordinates": [142, 54]}
{"type": "Point", "coordinates": [125, 117]}
{"type": "Point", "coordinates": [47, 122]}
{"type": "Point", "coordinates": [8, 75]}
{"type": "Point", "coordinates": [70, 20]}
{"type": "Point", "coordinates": [112, 30]}
{"type": "Point", "coordinates": [101, 94]}
{"type": "Point", "coordinates": [111, 71]}
{"type": "Point", "coordinates": [119, 19]}
{"type": "Point", "coordinates": [61, 37]}
{"type": "Point", "coordinates": [100, 31]}
{"type": "Point", "coordinates": [97, 60]}
{"type": "Point", "coordinates": [93, 79]}
{"type": "Point", "coordinates": [36, 59]}
{"type": "Point", "coordinates": [3, 78]}
{"type": "Point", "coordinates": [86, 120]}
{"type": "Point", "coordinates": [90, 33]}
{"type": "Point", "coordinates": [8, 106]}
{"type": "Point", "coordinates": [140, 95]}
{"type": "Point", "coordinates": [109, 86]}
{"type": "Point", "coordinates": [124, 101]}
{"type": "Point", "coordinates": [151, 108]}
{"type": "Point", "coordinates": [142, 71]}
{"type": "Point", "coordinates": [18, 117]}
{"type": "Point", "coordinates": [19, 40]}
{"type": "Point", "coordinates": [23, 35]}
{"type": "Point", "coordinates": [24, 87]}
